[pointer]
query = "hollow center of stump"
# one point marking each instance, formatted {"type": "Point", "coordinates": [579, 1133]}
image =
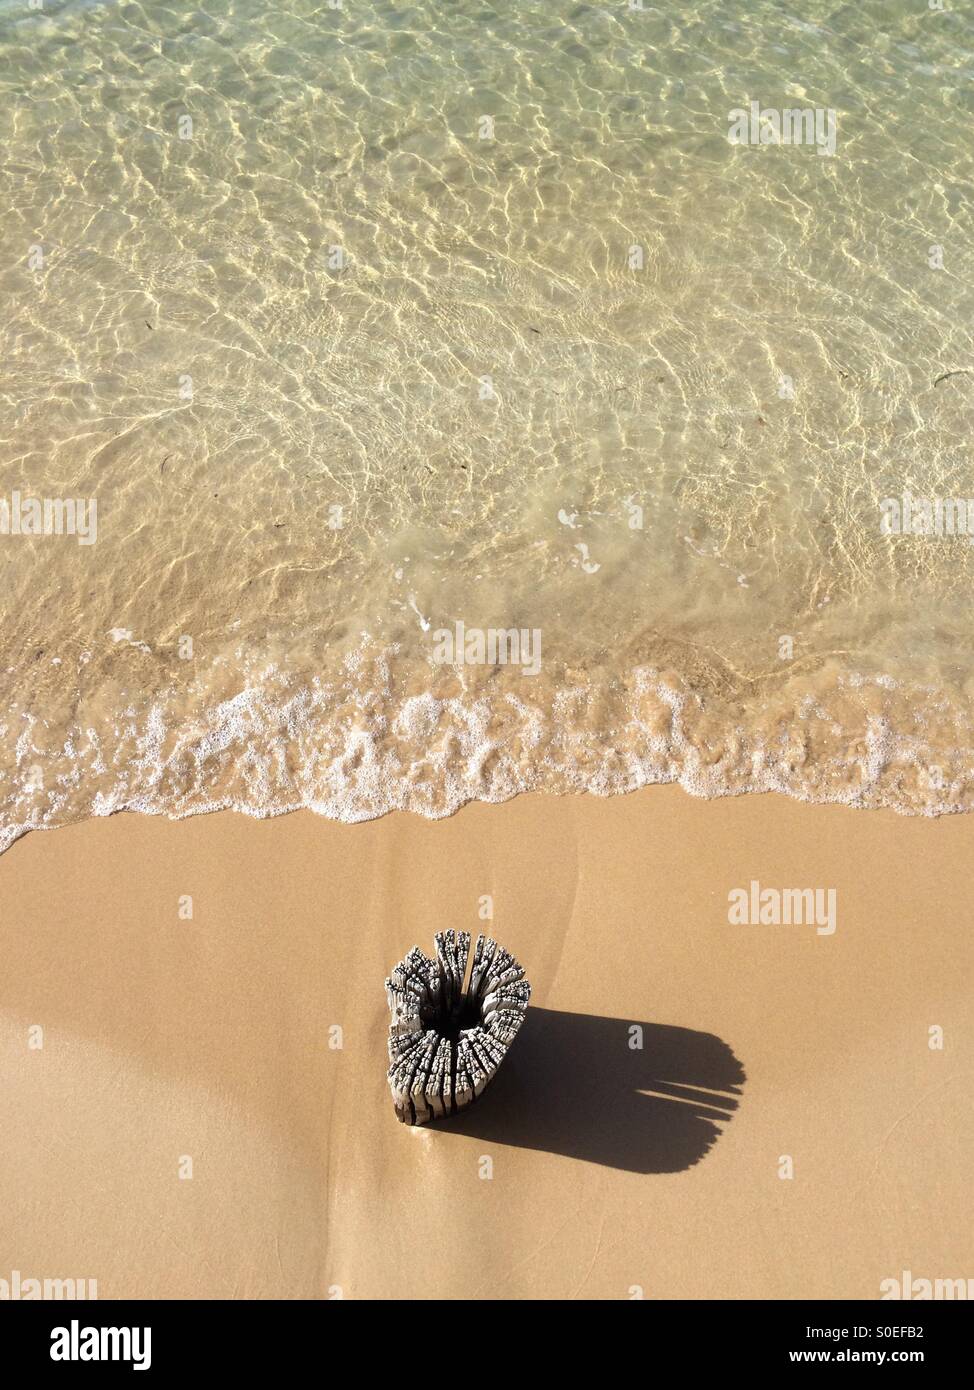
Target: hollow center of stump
{"type": "Point", "coordinates": [450, 1023]}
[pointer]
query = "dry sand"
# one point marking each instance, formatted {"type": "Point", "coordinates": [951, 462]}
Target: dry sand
{"type": "Point", "coordinates": [614, 1170]}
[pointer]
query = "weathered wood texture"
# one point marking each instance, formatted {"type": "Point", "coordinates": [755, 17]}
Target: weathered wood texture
{"type": "Point", "coordinates": [446, 1043]}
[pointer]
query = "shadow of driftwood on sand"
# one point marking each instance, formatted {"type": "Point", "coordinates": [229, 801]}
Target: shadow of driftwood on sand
{"type": "Point", "coordinates": [573, 1085]}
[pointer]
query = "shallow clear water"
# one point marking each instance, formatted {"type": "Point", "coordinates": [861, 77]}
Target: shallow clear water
{"type": "Point", "coordinates": [361, 322]}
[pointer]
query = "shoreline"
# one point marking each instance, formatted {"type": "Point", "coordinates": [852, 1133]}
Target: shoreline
{"type": "Point", "coordinates": [360, 751]}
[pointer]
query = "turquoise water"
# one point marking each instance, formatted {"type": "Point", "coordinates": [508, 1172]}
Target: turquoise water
{"type": "Point", "coordinates": [360, 323]}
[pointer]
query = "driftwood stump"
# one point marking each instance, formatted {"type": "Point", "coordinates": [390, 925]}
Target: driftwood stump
{"type": "Point", "coordinates": [446, 1042]}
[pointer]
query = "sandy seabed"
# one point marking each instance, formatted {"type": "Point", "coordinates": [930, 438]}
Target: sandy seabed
{"type": "Point", "coordinates": [613, 1170]}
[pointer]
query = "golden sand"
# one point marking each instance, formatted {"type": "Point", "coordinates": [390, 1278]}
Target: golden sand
{"type": "Point", "coordinates": [613, 1170]}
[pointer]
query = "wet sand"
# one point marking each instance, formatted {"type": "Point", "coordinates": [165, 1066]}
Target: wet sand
{"type": "Point", "coordinates": [614, 1170]}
